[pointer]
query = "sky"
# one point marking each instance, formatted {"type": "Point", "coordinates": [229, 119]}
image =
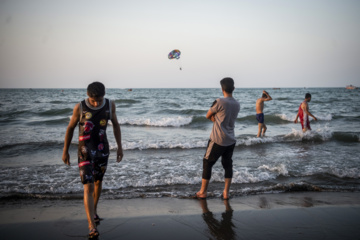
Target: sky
{"type": "Point", "coordinates": [125, 43]}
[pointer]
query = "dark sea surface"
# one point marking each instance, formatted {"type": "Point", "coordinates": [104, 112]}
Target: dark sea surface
{"type": "Point", "coordinates": [164, 135]}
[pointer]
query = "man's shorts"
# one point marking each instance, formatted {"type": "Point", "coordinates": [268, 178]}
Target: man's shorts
{"type": "Point", "coordinates": [213, 153]}
{"type": "Point", "coordinates": [92, 171]}
{"type": "Point", "coordinates": [260, 117]}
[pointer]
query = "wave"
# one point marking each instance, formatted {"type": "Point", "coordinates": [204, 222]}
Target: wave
{"type": "Point", "coordinates": [177, 191]}
{"type": "Point", "coordinates": [163, 192]}
{"type": "Point", "coordinates": [318, 135]}
{"type": "Point", "coordinates": [283, 99]}
{"type": "Point", "coordinates": [183, 111]}
{"type": "Point", "coordinates": [53, 121]}
{"type": "Point", "coordinates": [322, 134]}
{"type": "Point", "coordinates": [291, 118]}
{"type": "Point", "coordinates": [57, 102]}
{"type": "Point", "coordinates": [56, 112]}
{"type": "Point", "coordinates": [242, 140]}
{"type": "Point", "coordinates": [346, 173]}
{"type": "Point", "coordinates": [346, 136]}
{"type": "Point", "coordinates": [12, 114]}
{"type": "Point", "coordinates": [348, 118]}
{"type": "Point", "coordinates": [281, 169]}
{"type": "Point", "coordinates": [157, 121]}
{"type": "Point", "coordinates": [20, 147]}
{"type": "Point", "coordinates": [272, 119]}
{"type": "Point", "coordinates": [281, 118]}
{"type": "Point", "coordinates": [141, 145]}
{"type": "Point", "coordinates": [127, 101]}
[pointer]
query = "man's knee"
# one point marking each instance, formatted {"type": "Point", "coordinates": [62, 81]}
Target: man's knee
{"type": "Point", "coordinates": [88, 188]}
{"type": "Point", "coordinates": [228, 167]}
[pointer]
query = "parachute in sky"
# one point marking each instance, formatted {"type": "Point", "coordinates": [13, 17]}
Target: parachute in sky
{"type": "Point", "coordinates": [175, 54]}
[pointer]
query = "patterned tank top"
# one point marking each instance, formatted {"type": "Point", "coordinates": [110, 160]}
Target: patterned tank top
{"type": "Point", "coordinates": [93, 143]}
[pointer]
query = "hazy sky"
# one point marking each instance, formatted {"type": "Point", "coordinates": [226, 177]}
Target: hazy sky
{"type": "Point", "coordinates": [125, 43]}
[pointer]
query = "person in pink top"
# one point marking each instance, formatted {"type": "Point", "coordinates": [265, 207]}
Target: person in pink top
{"type": "Point", "coordinates": [304, 113]}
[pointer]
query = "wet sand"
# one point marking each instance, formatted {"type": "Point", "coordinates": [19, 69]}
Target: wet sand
{"type": "Point", "coordinates": [304, 215]}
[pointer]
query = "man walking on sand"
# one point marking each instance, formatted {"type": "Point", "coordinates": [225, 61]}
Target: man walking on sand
{"type": "Point", "coordinates": [259, 113]}
{"type": "Point", "coordinates": [93, 114]}
{"type": "Point", "coordinates": [223, 113]}
{"type": "Point", "coordinates": [303, 113]}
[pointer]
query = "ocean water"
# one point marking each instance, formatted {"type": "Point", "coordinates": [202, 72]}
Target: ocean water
{"type": "Point", "coordinates": [164, 135]}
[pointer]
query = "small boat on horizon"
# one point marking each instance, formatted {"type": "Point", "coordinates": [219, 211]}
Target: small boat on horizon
{"type": "Point", "coordinates": [350, 87]}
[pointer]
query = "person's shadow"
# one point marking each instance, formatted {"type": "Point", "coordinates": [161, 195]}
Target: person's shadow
{"type": "Point", "coordinates": [219, 229]}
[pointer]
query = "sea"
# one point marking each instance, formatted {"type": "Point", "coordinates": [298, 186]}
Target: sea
{"type": "Point", "coordinates": [164, 137]}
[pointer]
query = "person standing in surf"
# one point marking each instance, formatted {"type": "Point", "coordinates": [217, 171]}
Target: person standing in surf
{"type": "Point", "coordinates": [259, 113]}
{"type": "Point", "coordinates": [93, 114]}
{"type": "Point", "coordinates": [303, 113]}
{"type": "Point", "coordinates": [223, 114]}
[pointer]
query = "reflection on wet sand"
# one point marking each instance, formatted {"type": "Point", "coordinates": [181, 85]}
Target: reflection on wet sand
{"type": "Point", "coordinates": [308, 202]}
{"type": "Point", "coordinates": [264, 203]}
{"type": "Point", "coordinates": [223, 229]}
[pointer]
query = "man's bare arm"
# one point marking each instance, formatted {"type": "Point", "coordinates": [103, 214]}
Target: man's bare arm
{"type": "Point", "coordinates": [296, 118]}
{"type": "Point", "coordinates": [306, 109]}
{"type": "Point", "coordinates": [268, 96]}
{"type": "Point", "coordinates": [210, 115]}
{"type": "Point", "coordinates": [117, 132]}
{"type": "Point", "coordinates": [70, 132]}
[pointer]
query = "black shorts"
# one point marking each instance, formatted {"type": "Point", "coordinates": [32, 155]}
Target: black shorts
{"type": "Point", "coordinates": [260, 117]}
{"type": "Point", "coordinates": [92, 170]}
{"type": "Point", "coordinates": [213, 153]}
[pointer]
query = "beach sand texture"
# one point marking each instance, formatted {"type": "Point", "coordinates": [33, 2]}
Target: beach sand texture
{"type": "Point", "coordinates": [304, 215]}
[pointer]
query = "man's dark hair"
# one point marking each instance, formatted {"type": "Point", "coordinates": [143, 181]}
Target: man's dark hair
{"type": "Point", "coordinates": [307, 95]}
{"type": "Point", "coordinates": [96, 89]}
{"type": "Point", "coordinates": [264, 95]}
{"type": "Point", "coordinates": [227, 84]}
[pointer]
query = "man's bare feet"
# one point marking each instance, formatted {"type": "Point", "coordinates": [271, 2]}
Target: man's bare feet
{"type": "Point", "coordinates": [225, 196]}
{"type": "Point", "coordinates": [201, 195]}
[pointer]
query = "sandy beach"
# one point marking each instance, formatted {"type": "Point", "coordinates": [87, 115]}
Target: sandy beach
{"type": "Point", "coordinates": [304, 215]}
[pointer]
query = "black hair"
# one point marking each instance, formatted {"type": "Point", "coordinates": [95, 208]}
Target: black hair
{"type": "Point", "coordinates": [307, 95]}
{"type": "Point", "coordinates": [264, 95]}
{"type": "Point", "coordinates": [227, 84]}
{"type": "Point", "coordinates": [96, 89]}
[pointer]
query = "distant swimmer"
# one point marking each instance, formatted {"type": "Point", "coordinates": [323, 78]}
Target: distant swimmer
{"type": "Point", "coordinates": [304, 113]}
{"type": "Point", "coordinates": [259, 113]}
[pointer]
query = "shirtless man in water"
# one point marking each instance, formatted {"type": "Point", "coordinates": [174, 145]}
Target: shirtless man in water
{"type": "Point", "coordinates": [260, 114]}
{"type": "Point", "coordinates": [304, 113]}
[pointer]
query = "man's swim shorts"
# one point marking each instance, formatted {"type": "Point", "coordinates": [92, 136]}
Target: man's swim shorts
{"type": "Point", "coordinates": [260, 117]}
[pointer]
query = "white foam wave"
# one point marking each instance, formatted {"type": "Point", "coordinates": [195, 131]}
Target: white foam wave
{"type": "Point", "coordinates": [347, 172]}
{"type": "Point", "coordinates": [256, 140]}
{"type": "Point", "coordinates": [324, 133]}
{"type": "Point", "coordinates": [158, 121]}
{"type": "Point", "coordinates": [281, 169]}
{"type": "Point", "coordinates": [324, 117]}
{"type": "Point", "coordinates": [291, 118]}
{"type": "Point", "coordinates": [243, 176]}
{"type": "Point", "coordinates": [286, 117]}
{"type": "Point", "coordinates": [159, 145]}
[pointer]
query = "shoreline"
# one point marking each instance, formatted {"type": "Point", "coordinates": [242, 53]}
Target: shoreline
{"type": "Point", "coordinates": [298, 215]}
